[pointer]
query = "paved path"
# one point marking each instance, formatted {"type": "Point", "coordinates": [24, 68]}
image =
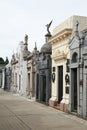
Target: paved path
{"type": "Point", "coordinates": [18, 113]}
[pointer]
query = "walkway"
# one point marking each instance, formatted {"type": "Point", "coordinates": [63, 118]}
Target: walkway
{"type": "Point", "coordinates": [18, 113]}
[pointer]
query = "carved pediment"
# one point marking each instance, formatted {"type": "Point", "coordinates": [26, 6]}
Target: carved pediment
{"type": "Point", "coordinates": [74, 43]}
{"type": "Point", "coordinates": [59, 54]}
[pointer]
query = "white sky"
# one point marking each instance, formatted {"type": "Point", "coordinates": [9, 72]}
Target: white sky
{"type": "Point", "coordinates": [20, 17]}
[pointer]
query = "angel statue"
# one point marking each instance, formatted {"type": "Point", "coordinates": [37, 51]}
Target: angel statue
{"type": "Point", "coordinates": [48, 26]}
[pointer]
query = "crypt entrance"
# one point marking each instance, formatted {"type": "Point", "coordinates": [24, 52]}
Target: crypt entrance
{"type": "Point", "coordinates": [74, 89]}
{"type": "Point", "coordinates": [60, 83]}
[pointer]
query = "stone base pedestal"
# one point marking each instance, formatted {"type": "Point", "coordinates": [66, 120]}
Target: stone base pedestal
{"type": "Point", "coordinates": [64, 107]}
{"type": "Point", "coordinates": [52, 103]}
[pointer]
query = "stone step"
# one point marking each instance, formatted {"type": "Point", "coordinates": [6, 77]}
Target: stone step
{"type": "Point", "coordinates": [57, 106]}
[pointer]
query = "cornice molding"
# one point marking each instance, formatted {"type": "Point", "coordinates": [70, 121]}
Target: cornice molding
{"type": "Point", "coordinates": [60, 36]}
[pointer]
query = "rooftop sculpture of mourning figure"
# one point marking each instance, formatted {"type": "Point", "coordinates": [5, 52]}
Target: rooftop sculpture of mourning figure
{"type": "Point", "coordinates": [26, 38]}
{"type": "Point", "coordinates": [48, 26]}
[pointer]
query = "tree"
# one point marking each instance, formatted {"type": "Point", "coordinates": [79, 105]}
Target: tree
{"type": "Point", "coordinates": [6, 61]}
{"type": "Point", "coordinates": [1, 60]}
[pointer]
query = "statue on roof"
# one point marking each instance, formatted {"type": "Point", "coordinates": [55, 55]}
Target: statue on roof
{"type": "Point", "coordinates": [48, 26]}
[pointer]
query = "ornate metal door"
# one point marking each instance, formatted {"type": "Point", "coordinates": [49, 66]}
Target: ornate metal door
{"type": "Point", "coordinates": [60, 83]}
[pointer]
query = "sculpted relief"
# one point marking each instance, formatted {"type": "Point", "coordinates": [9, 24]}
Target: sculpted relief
{"type": "Point", "coordinates": [60, 54]}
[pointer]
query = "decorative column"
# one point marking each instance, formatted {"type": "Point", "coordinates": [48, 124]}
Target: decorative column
{"type": "Point", "coordinates": [3, 78]}
{"type": "Point", "coordinates": [85, 85]}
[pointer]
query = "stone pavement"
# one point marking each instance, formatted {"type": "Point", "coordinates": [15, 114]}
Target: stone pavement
{"type": "Point", "coordinates": [18, 113]}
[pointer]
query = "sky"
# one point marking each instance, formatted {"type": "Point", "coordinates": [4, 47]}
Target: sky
{"type": "Point", "coordinates": [20, 17]}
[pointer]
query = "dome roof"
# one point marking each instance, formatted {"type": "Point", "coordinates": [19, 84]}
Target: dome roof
{"type": "Point", "coordinates": [47, 48]}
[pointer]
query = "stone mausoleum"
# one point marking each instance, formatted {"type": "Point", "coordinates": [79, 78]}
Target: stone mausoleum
{"type": "Point", "coordinates": [61, 59]}
{"type": "Point", "coordinates": [43, 74]}
{"type": "Point", "coordinates": [78, 72]}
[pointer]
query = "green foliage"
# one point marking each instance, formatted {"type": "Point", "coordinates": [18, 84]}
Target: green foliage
{"type": "Point", "coordinates": [1, 61]}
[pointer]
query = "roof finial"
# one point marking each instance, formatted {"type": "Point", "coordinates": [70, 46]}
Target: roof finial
{"type": "Point", "coordinates": [26, 39]}
{"type": "Point", "coordinates": [77, 23]}
{"type": "Point", "coordinates": [76, 27]}
{"type": "Point", "coordinates": [35, 46]}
